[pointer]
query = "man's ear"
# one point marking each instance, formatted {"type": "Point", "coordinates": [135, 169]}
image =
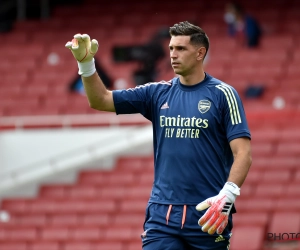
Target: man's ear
{"type": "Point", "coordinates": [201, 53]}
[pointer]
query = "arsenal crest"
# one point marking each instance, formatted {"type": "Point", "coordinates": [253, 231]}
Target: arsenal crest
{"type": "Point", "coordinates": [204, 106]}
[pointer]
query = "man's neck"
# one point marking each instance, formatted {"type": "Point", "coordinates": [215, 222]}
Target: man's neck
{"type": "Point", "coordinates": [192, 79]}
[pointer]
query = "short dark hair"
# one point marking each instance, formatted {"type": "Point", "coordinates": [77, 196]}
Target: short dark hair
{"type": "Point", "coordinates": [197, 35]}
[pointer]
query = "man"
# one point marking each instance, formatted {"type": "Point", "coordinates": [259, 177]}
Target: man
{"type": "Point", "coordinates": [201, 143]}
{"type": "Point", "coordinates": [242, 25]}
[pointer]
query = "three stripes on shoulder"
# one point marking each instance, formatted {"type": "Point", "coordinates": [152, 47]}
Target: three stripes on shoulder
{"type": "Point", "coordinates": [232, 103]}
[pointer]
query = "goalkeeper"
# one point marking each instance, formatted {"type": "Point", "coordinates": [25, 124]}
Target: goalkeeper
{"type": "Point", "coordinates": [201, 140]}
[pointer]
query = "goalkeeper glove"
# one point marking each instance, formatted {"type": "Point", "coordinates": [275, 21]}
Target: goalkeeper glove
{"type": "Point", "coordinates": [83, 49]}
{"type": "Point", "coordinates": [215, 218]}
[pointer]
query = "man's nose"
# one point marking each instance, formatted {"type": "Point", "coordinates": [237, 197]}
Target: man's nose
{"type": "Point", "coordinates": [173, 54]}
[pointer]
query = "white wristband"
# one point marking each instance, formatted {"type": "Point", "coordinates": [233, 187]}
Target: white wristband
{"type": "Point", "coordinates": [87, 68]}
{"type": "Point", "coordinates": [232, 187]}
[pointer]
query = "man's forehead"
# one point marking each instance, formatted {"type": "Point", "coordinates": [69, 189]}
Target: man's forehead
{"type": "Point", "coordinates": [180, 41]}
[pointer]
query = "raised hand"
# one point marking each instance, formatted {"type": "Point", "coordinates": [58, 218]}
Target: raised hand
{"type": "Point", "coordinates": [82, 48]}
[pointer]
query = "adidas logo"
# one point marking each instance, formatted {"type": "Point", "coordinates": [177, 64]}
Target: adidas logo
{"type": "Point", "coordinates": [165, 106]}
{"type": "Point", "coordinates": [219, 238]}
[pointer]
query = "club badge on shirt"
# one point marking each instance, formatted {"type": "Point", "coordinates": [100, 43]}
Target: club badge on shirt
{"type": "Point", "coordinates": [204, 106]}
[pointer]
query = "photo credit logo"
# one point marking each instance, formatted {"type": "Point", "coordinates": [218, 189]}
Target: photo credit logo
{"type": "Point", "coordinates": [283, 236]}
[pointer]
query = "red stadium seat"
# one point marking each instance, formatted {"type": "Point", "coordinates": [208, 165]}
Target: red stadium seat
{"type": "Point", "coordinates": [44, 245]}
{"type": "Point", "coordinates": [284, 222]}
{"type": "Point", "coordinates": [116, 233]}
{"type": "Point", "coordinates": [251, 219]}
{"type": "Point", "coordinates": [28, 219]}
{"type": "Point", "coordinates": [15, 205]}
{"type": "Point", "coordinates": [86, 233]}
{"type": "Point", "coordinates": [84, 192]}
{"type": "Point", "coordinates": [287, 204]}
{"type": "Point", "coordinates": [63, 220]}
{"type": "Point", "coordinates": [127, 220]}
{"type": "Point", "coordinates": [104, 179]}
{"type": "Point", "coordinates": [247, 238]}
{"type": "Point", "coordinates": [262, 148]}
{"type": "Point", "coordinates": [293, 188]}
{"type": "Point", "coordinates": [146, 179]}
{"type": "Point", "coordinates": [266, 135]}
{"type": "Point", "coordinates": [96, 219]}
{"type": "Point", "coordinates": [84, 245]}
{"type": "Point", "coordinates": [254, 176]}
{"type": "Point", "coordinates": [272, 42]}
{"type": "Point", "coordinates": [132, 206]}
{"type": "Point", "coordinates": [288, 149]}
{"type": "Point", "coordinates": [13, 246]}
{"type": "Point", "coordinates": [55, 191]}
{"type": "Point", "coordinates": [255, 204]}
{"type": "Point", "coordinates": [113, 192]}
{"type": "Point", "coordinates": [55, 233]}
{"type": "Point", "coordinates": [271, 190]}
{"type": "Point", "coordinates": [297, 176]}
{"type": "Point", "coordinates": [18, 233]}
{"type": "Point", "coordinates": [108, 245]}
{"type": "Point", "coordinates": [280, 176]}
{"type": "Point", "coordinates": [277, 162]}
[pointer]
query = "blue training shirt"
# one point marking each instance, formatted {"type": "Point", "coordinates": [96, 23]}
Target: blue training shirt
{"type": "Point", "coordinates": [192, 128]}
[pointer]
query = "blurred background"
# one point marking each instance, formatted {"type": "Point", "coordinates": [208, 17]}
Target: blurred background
{"type": "Point", "coordinates": [75, 178]}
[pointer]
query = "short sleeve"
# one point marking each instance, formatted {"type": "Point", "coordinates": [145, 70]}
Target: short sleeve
{"type": "Point", "coordinates": [234, 119]}
{"type": "Point", "coordinates": [133, 100]}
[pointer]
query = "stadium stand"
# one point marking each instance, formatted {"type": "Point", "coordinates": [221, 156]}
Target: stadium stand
{"type": "Point", "coordinates": [83, 215]}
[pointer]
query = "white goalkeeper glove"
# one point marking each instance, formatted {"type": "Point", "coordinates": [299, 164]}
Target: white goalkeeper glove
{"type": "Point", "coordinates": [84, 50]}
{"type": "Point", "coordinates": [215, 218]}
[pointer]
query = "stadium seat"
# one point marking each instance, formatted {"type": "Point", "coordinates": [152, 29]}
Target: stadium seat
{"type": "Point", "coordinates": [79, 245]}
{"type": "Point", "coordinates": [272, 42]}
{"type": "Point", "coordinates": [15, 205]}
{"type": "Point", "coordinates": [266, 135]}
{"type": "Point", "coordinates": [271, 190]}
{"type": "Point", "coordinates": [132, 206]}
{"type": "Point", "coordinates": [86, 233]}
{"type": "Point", "coordinates": [254, 176]}
{"type": "Point", "coordinates": [134, 219]}
{"type": "Point", "coordinates": [96, 219]}
{"type": "Point", "coordinates": [297, 175]}
{"type": "Point", "coordinates": [255, 204]}
{"type": "Point", "coordinates": [18, 233]}
{"type": "Point", "coordinates": [137, 244]}
{"type": "Point", "coordinates": [13, 246]}
{"type": "Point", "coordinates": [55, 233]}
{"type": "Point", "coordinates": [262, 148]}
{"type": "Point", "coordinates": [113, 192]}
{"type": "Point", "coordinates": [247, 238]}
{"type": "Point", "coordinates": [280, 176]}
{"type": "Point", "coordinates": [251, 219]}
{"type": "Point", "coordinates": [288, 149]}
{"type": "Point", "coordinates": [44, 245]}
{"type": "Point", "coordinates": [117, 233]}
{"type": "Point", "coordinates": [108, 179]}
{"type": "Point", "coordinates": [146, 179]}
{"type": "Point", "coordinates": [287, 204]}
{"type": "Point", "coordinates": [54, 191]}
{"type": "Point", "coordinates": [284, 222]}
{"type": "Point", "coordinates": [108, 245]}
{"type": "Point", "coordinates": [64, 220]}
{"type": "Point", "coordinates": [276, 162]}
{"type": "Point", "coordinates": [28, 219]}
{"type": "Point", "coordinates": [143, 192]}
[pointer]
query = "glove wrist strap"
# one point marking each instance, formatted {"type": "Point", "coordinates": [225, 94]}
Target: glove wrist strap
{"type": "Point", "coordinates": [86, 69]}
{"type": "Point", "coordinates": [232, 187]}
